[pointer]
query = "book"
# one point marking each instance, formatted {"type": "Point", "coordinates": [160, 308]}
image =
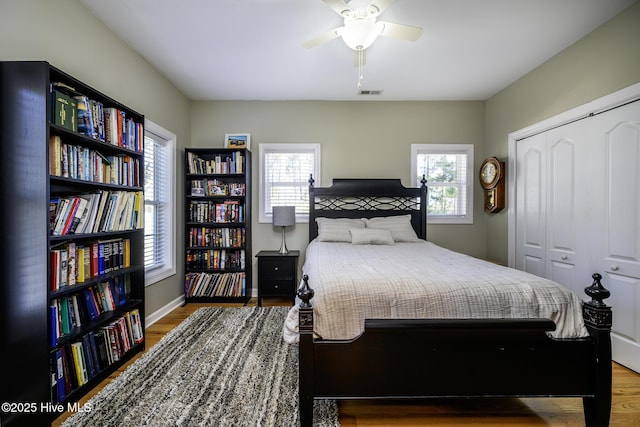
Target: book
{"type": "Point", "coordinates": [64, 111]}
{"type": "Point", "coordinates": [55, 155]}
{"type": "Point", "coordinates": [88, 357]}
{"type": "Point", "coordinates": [71, 264]}
{"type": "Point", "coordinates": [55, 327]}
{"type": "Point", "coordinates": [94, 352]}
{"type": "Point", "coordinates": [61, 212]}
{"type": "Point", "coordinates": [79, 363]}
{"type": "Point", "coordinates": [60, 381]}
{"type": "Point", "coordinates": [69, 215]}
{"type": "Point", "coordinates": [71, 377]}
{"type": "Point", "coordinates": [78, 214]}
{"type": "Point", "coordinates": [85, 123]}
{"type": "Point", "coordinates": [90, 304]}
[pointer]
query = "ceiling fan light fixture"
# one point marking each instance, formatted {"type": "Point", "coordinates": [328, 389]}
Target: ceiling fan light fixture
{"type": "Point", "coordinates": [360, 33]}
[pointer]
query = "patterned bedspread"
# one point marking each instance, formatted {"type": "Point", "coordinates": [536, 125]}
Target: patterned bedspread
{"type": "Point", "coordinates": [423, 280]}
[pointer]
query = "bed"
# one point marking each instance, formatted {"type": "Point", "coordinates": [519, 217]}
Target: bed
{"type": "Point", "coordinates": [513, 334]}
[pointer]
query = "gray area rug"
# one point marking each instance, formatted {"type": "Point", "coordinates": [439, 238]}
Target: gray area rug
{"type": "Point", "coordinates": [220, 367]}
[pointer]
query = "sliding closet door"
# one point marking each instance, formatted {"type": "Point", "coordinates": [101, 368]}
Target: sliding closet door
{"type": "Point", "coordinates": [551, 224]}
{"type": "Point", "coordinates": [616, 223]}
{"type": "Point", "coordinates": [578, 213]}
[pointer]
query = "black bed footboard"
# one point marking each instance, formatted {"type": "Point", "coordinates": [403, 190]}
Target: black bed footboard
{"type": "Point", "coordinates": [420, 358]}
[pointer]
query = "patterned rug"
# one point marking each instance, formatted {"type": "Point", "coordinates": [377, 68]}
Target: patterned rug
{"type": "Point", "coordinates": [220, 367]}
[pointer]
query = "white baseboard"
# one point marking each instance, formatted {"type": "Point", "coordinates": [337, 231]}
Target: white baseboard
{"type": "Point", "coordinates": [163, 311]}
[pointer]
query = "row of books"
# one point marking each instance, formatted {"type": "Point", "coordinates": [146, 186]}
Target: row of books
{"type": "Point", "coordinates": [215, 259]}
{"type": "Point", "coordinates": [222, 164]}
{"type": "Point", "coordinates": [215, 285]}
{"type": "Point", "coordinates": [69, 312]}
{"type": "Point", "coordinates": [209, 211]}
{"type": "Point", "coordinates": [74, 263]}
{"type": "Point", "coordinates": [217, 237]}
{"type": "Point", "coordinates": [89, 117]}
{"type": "Point", "coordinates": [215, 187]}
{"type": "Point", "coordinates": [75, 364]}
{"type": "Point", "coordinates": [101, 211]}
{"type": "Point", "coordinates": [74, 161]}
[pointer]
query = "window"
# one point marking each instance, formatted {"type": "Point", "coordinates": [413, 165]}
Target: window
{"type": "Point", "coordinates": [448, 169]}
{"type": "Point", "coordinates": [159, 203]}
{"type": "Point", "coordinates": [284, 177]}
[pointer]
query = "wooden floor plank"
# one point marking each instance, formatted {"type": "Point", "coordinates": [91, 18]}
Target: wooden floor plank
{"type": "Point", "coordinates": [444, 412]}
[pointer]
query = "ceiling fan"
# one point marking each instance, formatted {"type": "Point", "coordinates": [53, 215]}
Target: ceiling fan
{"type": "Point", "coordinates": [361, 27]}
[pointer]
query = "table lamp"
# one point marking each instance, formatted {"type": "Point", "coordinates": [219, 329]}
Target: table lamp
{"type": "Point", "coordinates": [284, 216]}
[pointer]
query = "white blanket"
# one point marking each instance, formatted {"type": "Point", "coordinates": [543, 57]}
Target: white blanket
{"type": "Point", "coordinates": [423, 280]}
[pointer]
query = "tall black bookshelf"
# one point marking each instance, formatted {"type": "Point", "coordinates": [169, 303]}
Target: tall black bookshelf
{"type": "Point", "coordinates": [72, 170]}
{"type": "Point", "coordinates": [218, 225]}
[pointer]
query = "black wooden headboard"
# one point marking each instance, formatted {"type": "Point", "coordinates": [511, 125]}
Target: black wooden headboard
{"type": "Point", "coordinates": [367, 198]}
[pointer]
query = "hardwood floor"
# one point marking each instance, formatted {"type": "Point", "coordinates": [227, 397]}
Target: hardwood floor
{"type": "Point", "coordinates": [625, 409]}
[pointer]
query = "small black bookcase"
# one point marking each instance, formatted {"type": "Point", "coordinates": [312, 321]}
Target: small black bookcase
{"type": "Point", "coordinates": [218, 225]}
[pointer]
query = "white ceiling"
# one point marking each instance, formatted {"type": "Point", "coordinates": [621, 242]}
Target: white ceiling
{"type": "Point", "coordinates": [252, 49]}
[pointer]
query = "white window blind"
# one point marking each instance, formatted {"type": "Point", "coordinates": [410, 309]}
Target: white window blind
{"type": "Point", "coordinates": [159, 191]}
{"type": "Point", "coordinates": [284, 177]}
{"type": "Point", "coordinates": [448, 169]}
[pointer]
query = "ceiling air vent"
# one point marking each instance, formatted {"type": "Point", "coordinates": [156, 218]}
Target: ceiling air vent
{"type": "Point", "coordinates": [369, 92]}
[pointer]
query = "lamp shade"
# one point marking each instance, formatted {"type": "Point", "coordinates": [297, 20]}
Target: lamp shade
{"type": "Point", "coordinates": [284, 216]}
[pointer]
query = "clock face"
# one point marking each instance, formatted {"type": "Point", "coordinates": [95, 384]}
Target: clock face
{"type": "Point", "coordinates": [489, 173]}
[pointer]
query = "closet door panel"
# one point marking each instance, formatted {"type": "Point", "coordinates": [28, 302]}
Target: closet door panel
{"type": "Point", "coordinates": [625, 301]}
{"type": "Point", "coordinates": [562, 190]}
{"type": "Point", "coordinates": [531, 205]}
{"type": "Point", "coordinates": [617, 211]}
{"type": "Point", "coordinates": [567, 224]}
{"type": "Point", "coordinates": [616, 217]}
{"type": "Point", "coordinates": [623, 185]}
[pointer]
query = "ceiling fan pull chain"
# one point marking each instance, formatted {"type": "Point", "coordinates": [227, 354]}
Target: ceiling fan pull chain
{"type": "Point", "coordinates": [360, 73]}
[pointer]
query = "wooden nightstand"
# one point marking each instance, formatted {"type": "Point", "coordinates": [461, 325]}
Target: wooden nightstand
{"type": "Point", "coordinates": [277, 275]}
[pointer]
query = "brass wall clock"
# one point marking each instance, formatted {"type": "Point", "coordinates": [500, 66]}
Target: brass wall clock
{"type": "Point", "coordinates": [492, 181]}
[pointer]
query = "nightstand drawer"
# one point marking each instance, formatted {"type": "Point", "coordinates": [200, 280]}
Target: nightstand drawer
{"type": "Point", "coordinates": [277, 268]}
{"type": "Point", "coordinates": [277, 287]}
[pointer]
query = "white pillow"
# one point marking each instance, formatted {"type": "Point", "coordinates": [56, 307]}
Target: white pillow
{"type": "Point", "coordinates": [371, 236]}
{"type": "Point", "coordinates": [399, 226]}
{"type": "Point", "coordinates": [337, 229]}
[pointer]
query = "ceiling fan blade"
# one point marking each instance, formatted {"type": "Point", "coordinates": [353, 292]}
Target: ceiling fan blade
{"type": "Point", "coordinates": [381, 5]}
{"type": "Point", "coordinates": [399, 31]}
{"type": "Point", "coordinates": [339, 6]}
{"type": "Point", "coordinates": [329, 35]}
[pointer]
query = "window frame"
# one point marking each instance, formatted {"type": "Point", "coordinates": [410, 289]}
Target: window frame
{"type": "Point", "coordinates": [168, 266]}
{"type": "Point", "coordinates": [468, 150]}
{"type": "Point", "coordinates": [264, 148]}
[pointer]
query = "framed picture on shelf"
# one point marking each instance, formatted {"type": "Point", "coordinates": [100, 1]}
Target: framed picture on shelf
{"type": "Point", "coordinates": [237, 140]}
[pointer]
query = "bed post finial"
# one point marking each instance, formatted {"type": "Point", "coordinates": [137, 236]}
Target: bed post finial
{"type": "Point", "coordinates": [596, 291]}
{"type": "Point", "coordinates": [596, 313]}
{"type": "Point", "coordinates": [423, 181]}
{"type": "Point", "coordinates": [305, 292]}
{"type": "Point", "coordinates": [311, 180]}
